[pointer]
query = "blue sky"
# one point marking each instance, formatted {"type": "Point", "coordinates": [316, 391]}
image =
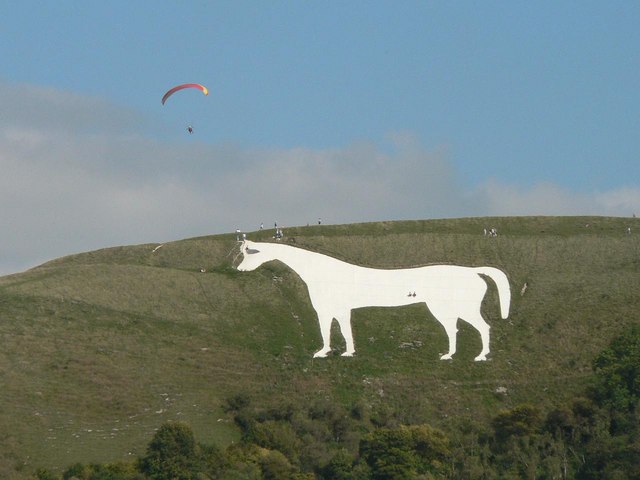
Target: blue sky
{"type": "Point", "coordinates": [349, 111]}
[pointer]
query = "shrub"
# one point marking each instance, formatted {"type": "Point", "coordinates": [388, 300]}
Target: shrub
{"type": "Point", "coordinates": [172, 454]}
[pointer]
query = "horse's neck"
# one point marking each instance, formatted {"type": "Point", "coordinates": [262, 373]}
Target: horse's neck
{"type": "Point", "coordinates": [297, 259]}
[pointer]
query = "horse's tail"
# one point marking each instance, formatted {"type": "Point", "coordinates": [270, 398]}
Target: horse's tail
{"type": "Point", "coordinates": [504, 290]}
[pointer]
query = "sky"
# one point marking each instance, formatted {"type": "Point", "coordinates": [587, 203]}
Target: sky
{"type": "Point", "coordinates": [350, 111]}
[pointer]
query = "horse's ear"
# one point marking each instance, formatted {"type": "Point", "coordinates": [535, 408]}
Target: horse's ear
{"type": "Point", "coordinates": [245, 246]}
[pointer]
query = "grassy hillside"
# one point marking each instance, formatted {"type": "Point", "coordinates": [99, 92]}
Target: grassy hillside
{"type": "Point", "coordinates": [100, 348]}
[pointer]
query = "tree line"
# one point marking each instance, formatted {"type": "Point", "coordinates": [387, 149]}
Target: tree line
{"type": "Point", "coordinates": [595, 436]}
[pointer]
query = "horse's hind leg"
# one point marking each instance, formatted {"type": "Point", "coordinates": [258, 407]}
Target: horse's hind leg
{"type": "Point", "coordinates": [483, 328]}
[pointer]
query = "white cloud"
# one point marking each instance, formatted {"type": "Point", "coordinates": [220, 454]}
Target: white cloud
{"type": "Point", "coordinates": [551, 199]}
{"type": "Point", "coordinates": [80, 174]}
{"type": "Point", "coordinates": [625, 199]}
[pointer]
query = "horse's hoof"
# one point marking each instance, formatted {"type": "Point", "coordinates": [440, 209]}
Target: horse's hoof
{"type": "Point", "coordinates": [480, 358]}
{"type": "Point", "coordinates": [347, 354]}
{"type": "Point", "coordinates": [320, 354]}
{"type": "Point", "coordinates": [446, 357]}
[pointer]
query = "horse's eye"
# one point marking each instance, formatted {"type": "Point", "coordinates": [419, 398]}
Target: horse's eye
{"type": "Point", "coordinates": [251, 251]}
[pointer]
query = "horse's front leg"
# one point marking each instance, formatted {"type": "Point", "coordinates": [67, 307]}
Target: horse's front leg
{"type": "Point", "coordinates": [325, 330]}
{"type": "Point", "coordinates": [344, 320]}
{"type": "Point", "coordinates": [451, 327]}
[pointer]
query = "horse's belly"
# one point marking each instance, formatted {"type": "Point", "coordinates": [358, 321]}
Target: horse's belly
{"type": "Point", "coordinates": [385, 297]}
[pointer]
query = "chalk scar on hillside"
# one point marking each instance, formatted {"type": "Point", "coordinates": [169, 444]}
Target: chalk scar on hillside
{"type": "Point", "coordinates": [451, 292]}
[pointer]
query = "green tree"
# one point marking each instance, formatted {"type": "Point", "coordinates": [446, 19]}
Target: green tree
{"type": "Point", "coordinates": [431, 447]}
{"type": "Point", "coordinates": [96, 471]}
{"type": "Point", "coordinates": [617, 371]}
{"type": "Point", "coordinates": [278, 436]}
{"type": "Point", "coordinates": [519, 421]}
{"type": "Point", "coordinates": [406, 452]}
{"type": "Point", "coordinates": [240, 469]}
{"type": "Point", "coordinates": [340, 467]}
{"type": "Point", "coordinates": [172, 454]}
{"type": "Point", "coordinates": [471, 453]}
{"type": "Point", "coordinates": [275, 466]}
{"type": "Point", "coordinates": [212, 460]}
{"type": "Point", "coordinates": [388, 453]}
{"type": "Point", "coordinates": [44, 474]}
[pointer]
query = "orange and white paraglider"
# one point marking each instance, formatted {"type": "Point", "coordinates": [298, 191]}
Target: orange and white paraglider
{"type": "Point", "coordinates": [173, 90]}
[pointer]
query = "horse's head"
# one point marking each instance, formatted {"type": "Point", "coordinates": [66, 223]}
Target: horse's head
{"type": "Point", "coordinates": [251, 257]}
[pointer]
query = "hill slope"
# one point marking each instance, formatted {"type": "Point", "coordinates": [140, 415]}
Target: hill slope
{"type": "Point", "coordinates": [100, 348]}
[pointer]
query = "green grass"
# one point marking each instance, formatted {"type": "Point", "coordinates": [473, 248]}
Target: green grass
{"type": "Point", "coordinates": [100, 348]}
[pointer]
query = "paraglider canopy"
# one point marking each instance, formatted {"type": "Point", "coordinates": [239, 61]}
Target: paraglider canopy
{"type": "Point", "coordinates": [173, 90]}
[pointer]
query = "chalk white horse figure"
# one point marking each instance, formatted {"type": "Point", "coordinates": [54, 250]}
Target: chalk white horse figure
{"type": "Point", "coordinates": [336, 287]}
